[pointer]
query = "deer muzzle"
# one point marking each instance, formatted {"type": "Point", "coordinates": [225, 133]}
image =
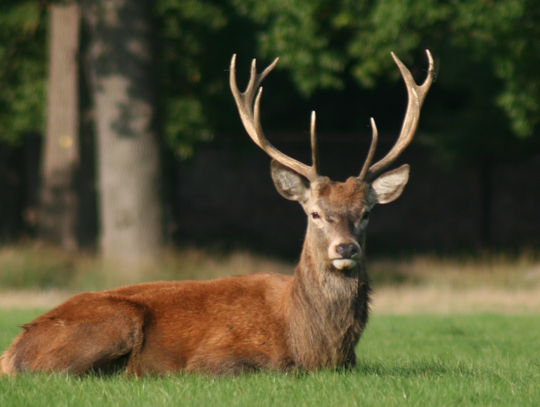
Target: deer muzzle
{"type": "Point", "coordinates": [345, 256]}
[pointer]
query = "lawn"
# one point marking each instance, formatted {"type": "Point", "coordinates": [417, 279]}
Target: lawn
{"type": "Point", "coordinates": [417, 360]}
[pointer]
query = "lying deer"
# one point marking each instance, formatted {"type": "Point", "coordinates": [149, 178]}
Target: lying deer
{"type": "Point", "coordinates": [311, 320]}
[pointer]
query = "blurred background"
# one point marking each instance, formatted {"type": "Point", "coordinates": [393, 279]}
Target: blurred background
{"type": "Point", "coordinates": [120, 140]}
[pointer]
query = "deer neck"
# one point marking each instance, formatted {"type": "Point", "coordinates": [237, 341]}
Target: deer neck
{"type": "Point", "coordinates": [325, 283]}
{"type": "Point", "coordinates": [328, 310]}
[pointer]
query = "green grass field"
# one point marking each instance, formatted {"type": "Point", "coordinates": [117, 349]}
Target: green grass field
{"type": "Point", "coordinates": [417, 360]}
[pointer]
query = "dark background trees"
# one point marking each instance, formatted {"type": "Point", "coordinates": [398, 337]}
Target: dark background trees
{"type": "Point", "coordinates": [58, 205]}
{"type": "Point", "coordinates": [122, 73]}
{"type": "Point", "coordinates": [482, 112]}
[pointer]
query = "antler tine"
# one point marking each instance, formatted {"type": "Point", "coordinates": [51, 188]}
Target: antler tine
{"type": "Point", "coordinates": [372, 148]}
{"type": "Point", "coordinates": [416, 95]}
{"type": "Point", "coordinates": [250, 116]}
{"type": "Point", "coordinates": [314, 149]}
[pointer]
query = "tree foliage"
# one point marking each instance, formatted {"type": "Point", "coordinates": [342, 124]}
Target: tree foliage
{"type": "Point", "coordinates": [505, 36]}
{"type": "Point", "coordinates": [488, 82]}
{"type": "Point", "coordinates": [22, 68]}
{"type": "Point", "coordinates": [489, 53]}
{"type": "Point", "coordinates": [187, 29]}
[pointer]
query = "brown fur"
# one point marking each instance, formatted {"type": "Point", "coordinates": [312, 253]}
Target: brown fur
{"type": "Point", "coordinates": [230, 325]}
{"type": "Point", "coordinates": [223, 326]}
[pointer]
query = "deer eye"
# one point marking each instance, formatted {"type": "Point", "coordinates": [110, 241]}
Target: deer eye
{"type": "Point", "coordinates": [315, 215]}
{"type": "Point", "coordinates": [365, 216]}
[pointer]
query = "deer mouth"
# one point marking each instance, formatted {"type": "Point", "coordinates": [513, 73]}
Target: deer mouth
{"type": "Point", "coordinates": [344, 264]}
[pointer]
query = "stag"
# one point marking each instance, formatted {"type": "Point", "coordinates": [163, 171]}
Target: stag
{"type": "Point", "coordinates": [311, 320]}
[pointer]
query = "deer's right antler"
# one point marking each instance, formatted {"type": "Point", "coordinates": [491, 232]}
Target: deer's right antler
{"type": "Point", "coordinates": [250, 115]}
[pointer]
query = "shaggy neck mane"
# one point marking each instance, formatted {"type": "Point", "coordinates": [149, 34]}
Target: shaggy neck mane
{"type": "Point", "coordinates": [329, 309]}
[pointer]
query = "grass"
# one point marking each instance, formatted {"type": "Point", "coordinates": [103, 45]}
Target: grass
{"type": "Point", "coordinates": [497, 270]}
{"type": "Point", "coordinates": [414, 360]}
{"type": "Point", "coordinates": [38, 267]}
{"type": "Point", "coordinates": [36, 276]}
{"type": "Point", "coordinates": [430, 356]}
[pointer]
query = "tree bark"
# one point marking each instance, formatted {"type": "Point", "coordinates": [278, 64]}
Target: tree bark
{"type": "Point", "coordinates": [58, 197]}
{"type": "Point", "coordinates": [120, 65]}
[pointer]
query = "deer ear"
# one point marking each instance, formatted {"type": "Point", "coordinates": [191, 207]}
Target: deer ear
{"type": "Point", "coordinates": [289, 183]}
{"type": "Point", "coordinates": [389, 186]}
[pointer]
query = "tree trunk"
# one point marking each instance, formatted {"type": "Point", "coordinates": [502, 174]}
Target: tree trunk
{"type": "Point", "coordinates": [58, 206]}
{"type": "Point", "coordinates": [128, 153]}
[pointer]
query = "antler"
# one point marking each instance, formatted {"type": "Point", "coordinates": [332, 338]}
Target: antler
{"type": "Point", "coordinates": [372, 148]}
{"type": "Point", "coordinates": [249, 113]}
{"type": "Point", "coordinates": [416, 96]}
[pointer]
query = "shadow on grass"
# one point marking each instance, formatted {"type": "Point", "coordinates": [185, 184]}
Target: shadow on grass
{"type": "Point", "coordinates": [415, 368]}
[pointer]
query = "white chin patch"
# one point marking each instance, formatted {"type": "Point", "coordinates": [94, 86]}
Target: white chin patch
{"type": "Point", "coordinates": [344, 264]}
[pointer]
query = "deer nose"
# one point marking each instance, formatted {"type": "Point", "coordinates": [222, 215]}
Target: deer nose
{"type": "Point", "coordinates": [347, 250]}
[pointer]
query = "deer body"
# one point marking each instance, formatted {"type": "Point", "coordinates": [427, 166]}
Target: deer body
{"type": "Point", "coordinates": [223, 326]}
{"type": "Point", "coordinates": [219, 326]}
{"type": "Point", "coordinates": [311, 320]}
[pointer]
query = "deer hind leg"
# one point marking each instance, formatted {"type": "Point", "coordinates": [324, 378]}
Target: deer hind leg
{"type": "Point", "coordinates": [78, 336]}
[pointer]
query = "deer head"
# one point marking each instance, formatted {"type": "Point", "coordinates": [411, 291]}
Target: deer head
{"type": "Point", "coordinates": [338, 212]}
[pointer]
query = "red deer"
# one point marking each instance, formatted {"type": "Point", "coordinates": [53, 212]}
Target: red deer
{"type": "Point", "coordinates": [311, 320]}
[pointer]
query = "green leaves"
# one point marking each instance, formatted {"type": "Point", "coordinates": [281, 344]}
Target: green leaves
{"type": "Point", "coordinates": [489, 53]}
{"type": "Point", "coordinates": [299, 32]}
{"type": "Point", "coordinates": [186, 33]}
{"type": "Point", "coordinates": [22, 68]}
{"type": "Point", "coordinates": [185, 125]}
